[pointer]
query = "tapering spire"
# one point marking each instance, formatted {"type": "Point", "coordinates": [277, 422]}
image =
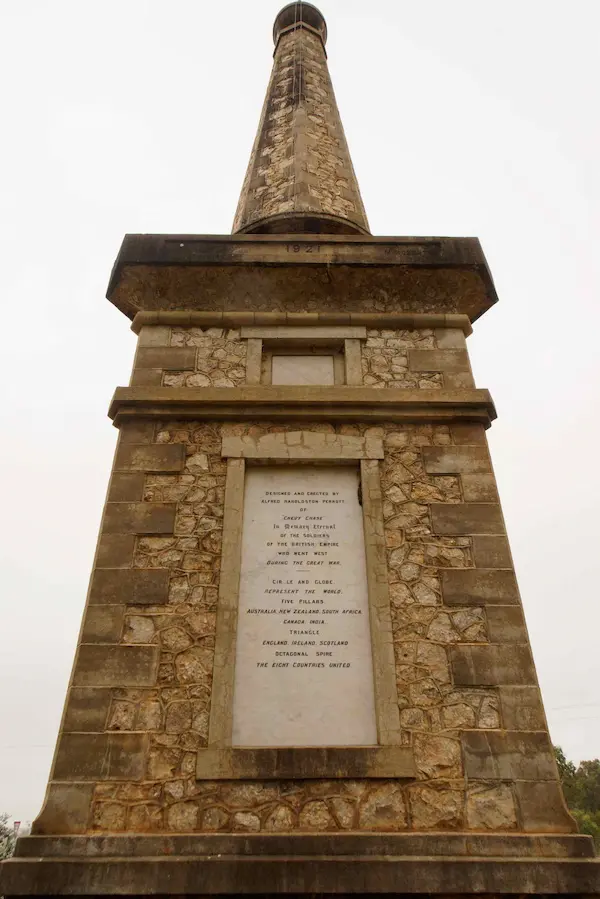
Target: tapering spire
{"type": "Point", "coordinates": [300, 177]}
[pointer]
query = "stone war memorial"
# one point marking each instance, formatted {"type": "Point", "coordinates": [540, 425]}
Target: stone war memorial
{"type": "Point", "coordinates": [303, 666]}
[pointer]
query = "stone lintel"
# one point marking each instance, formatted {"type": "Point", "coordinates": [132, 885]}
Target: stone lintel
{"type": "Point", "coordinates": [302, 445]}
{"type": "Point", "coordinates": [321, 334]}
{"type": "Point", "coordinates": [307, 403]}
{"type": "Point", "coordinates": [374, 320]}
{"type": "Point", "coordinates": [320, 874]}
{"type": "Point", "coordinates": [305, 763]}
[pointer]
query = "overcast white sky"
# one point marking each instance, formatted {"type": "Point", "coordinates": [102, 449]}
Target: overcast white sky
{"type": "Point", "coordinates": [463, 118]}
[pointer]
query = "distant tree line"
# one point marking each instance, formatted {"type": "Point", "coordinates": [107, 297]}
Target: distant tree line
{"type": "Point", "coordinates": [581, 785]}
{"type": "Point", "coordinates": [7, 837]}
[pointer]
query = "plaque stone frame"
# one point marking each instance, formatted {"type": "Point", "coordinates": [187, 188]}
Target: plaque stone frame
{"type": "Point", "coordinates": [389, 758]}
{"type": "Point", "coordinates": [342, 341]}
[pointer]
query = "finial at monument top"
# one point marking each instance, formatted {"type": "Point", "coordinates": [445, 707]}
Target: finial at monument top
{"type": "Point", "coordinates": [295, 14]}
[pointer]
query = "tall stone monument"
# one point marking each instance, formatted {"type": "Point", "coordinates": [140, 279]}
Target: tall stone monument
{"type": "Point", "coordinates": [303, 665]}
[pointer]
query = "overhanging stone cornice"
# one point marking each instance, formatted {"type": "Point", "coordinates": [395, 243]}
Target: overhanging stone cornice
{"type": "Point", "coordinates": [366, 404]}
{"type": "Point", "coordinates": [299, 272]}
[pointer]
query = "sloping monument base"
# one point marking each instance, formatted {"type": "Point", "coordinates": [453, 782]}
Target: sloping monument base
{"type": "Point", "coordinates": [319, 864]}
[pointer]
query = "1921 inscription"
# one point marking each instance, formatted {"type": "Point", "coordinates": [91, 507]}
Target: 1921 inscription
{"type": "Point", "coordinates": [304, 671]}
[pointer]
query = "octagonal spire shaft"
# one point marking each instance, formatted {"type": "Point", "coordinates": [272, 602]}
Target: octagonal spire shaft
{"type": "Point", "coordinates": [300, 178]}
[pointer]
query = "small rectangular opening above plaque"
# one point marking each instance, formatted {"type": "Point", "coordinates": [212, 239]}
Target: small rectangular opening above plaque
{"type": "Point", "coordinates": [304, 668]}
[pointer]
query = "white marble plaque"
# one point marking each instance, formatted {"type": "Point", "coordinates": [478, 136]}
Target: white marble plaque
{"type": "Point", "coordinates": [304, 668]}
{"type": "Point", "coordinates": [302, 370]}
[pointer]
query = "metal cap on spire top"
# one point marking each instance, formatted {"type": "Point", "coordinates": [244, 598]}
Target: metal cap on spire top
{"type": "Point", "coordinates": [299, 13]}
{"type": "Point", "coordinates": [300, 177]}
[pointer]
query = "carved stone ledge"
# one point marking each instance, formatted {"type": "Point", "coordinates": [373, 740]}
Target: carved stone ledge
{"type": "Point", "coordinates": [320, 874]}
{"type": "Point", "coordinates": [365, 404]}
{"type": "Point", "coordinates": [455, 844]}
{"type": "Point", "coordinates": [305, 763]}
{"type": "Point", "coordinates": [375, 320]}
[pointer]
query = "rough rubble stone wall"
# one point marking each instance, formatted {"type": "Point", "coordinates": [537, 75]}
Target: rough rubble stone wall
{"type": "Point", "coordinates": [216, 357]}
{"type": "Point", "coordinates": [389, 359]}
{"type": "Point", "coordinates": [220, 358]}
{"type": "Point", "coordinates": [139, 706]}
{"type": "Point", "coordinates": [300, 159]}
{"type": "Point", "coordinates": [192, 357]}
{"type": "Point", "coordinates": [175, 712]}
